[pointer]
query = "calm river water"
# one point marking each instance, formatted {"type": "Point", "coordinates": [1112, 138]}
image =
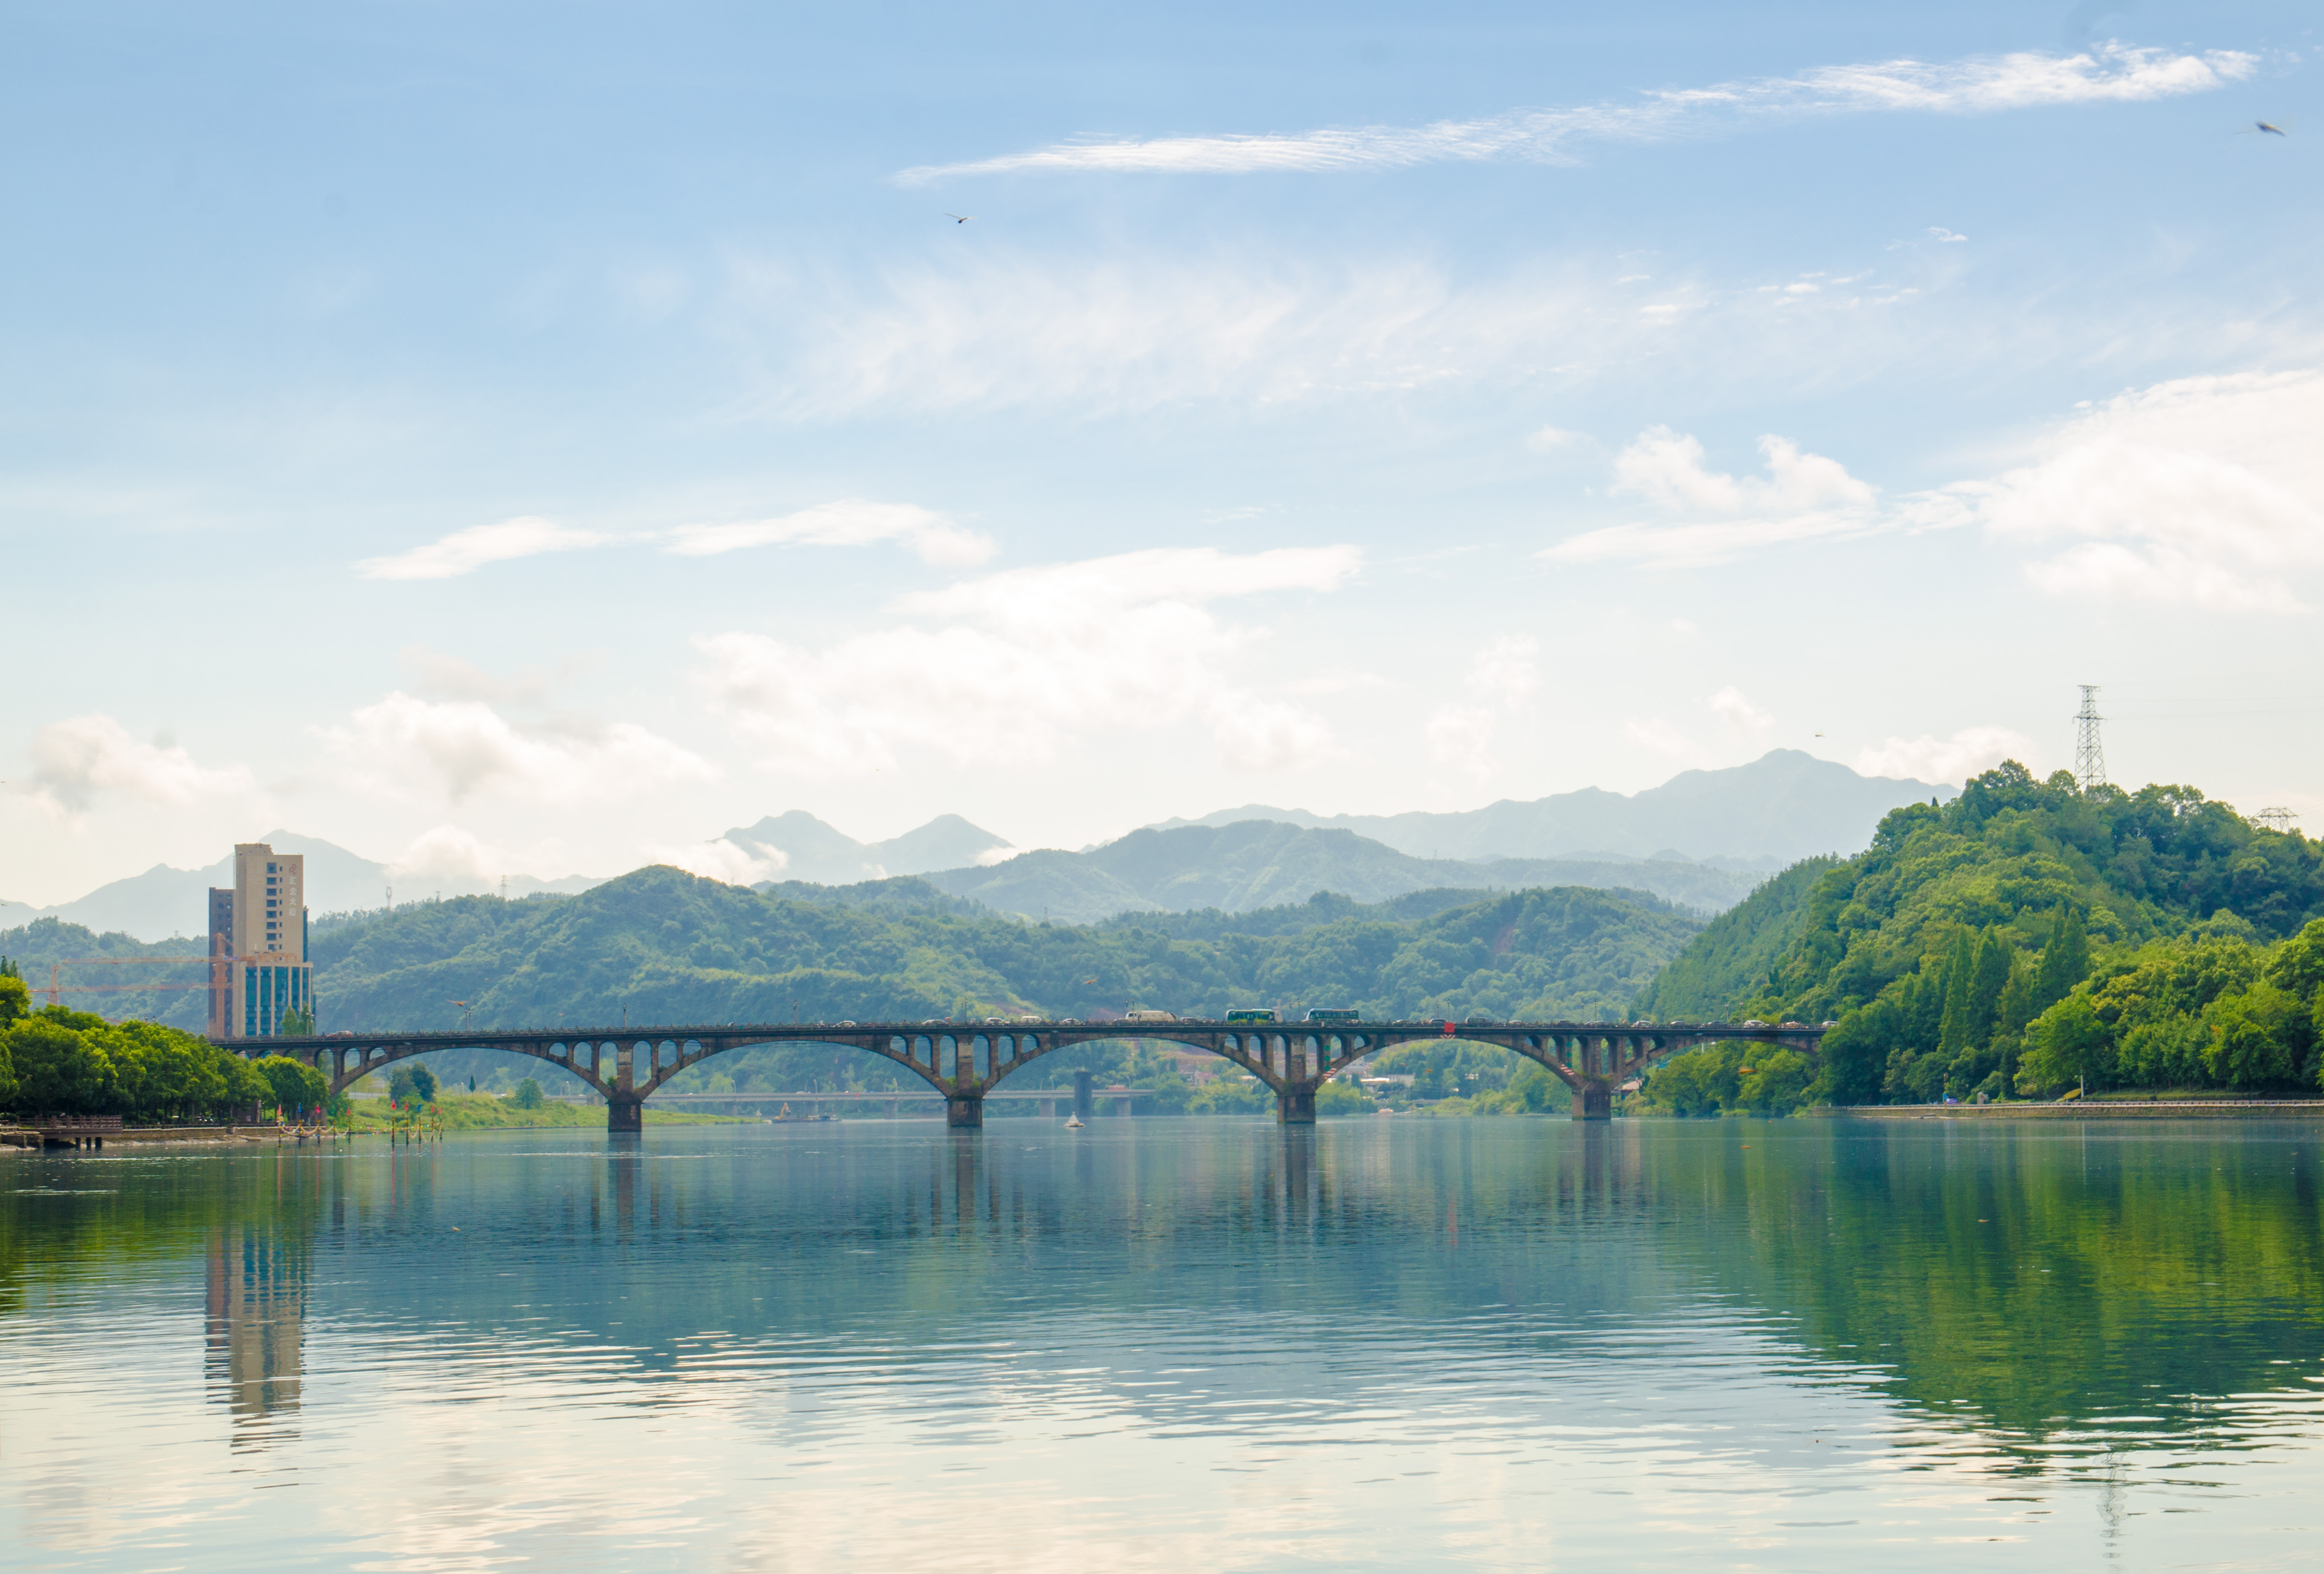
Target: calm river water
{"type": "Point", "coordinates": [1175, 1345]}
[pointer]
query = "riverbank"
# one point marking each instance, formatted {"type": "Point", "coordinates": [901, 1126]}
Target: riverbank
{"type": "Point", "coordinates": [485, 1112]}
{"type": "Point", "coordinates": [2093, 1109]}
{"type": "Point", "coordinates": [369, 1118]}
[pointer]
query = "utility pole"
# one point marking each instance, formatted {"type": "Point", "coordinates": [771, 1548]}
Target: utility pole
{"type": "Point", "coordinates": [2089, 754]}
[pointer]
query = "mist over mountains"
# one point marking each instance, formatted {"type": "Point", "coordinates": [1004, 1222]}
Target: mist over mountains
{"type": "Point", "coordinates": [1782, 807]}
{"type": "Point", "coordinates": [1701, 840]}
{"type": "Point", "coordinates": [1251, 864]}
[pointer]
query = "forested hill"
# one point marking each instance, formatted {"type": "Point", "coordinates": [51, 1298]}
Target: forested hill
{"type": "Point", "coordinates": [1729, 961]}
{"type": "Point", "coordinates": [667, 947]}
{"type": "Point", "coordinates": [1956, 949]}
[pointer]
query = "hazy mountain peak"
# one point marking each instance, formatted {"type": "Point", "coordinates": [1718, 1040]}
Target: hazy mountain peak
{"type": "Point", "coordinates": [1785, 805]}
{"type": "Point", "coordinates": [821, 854]}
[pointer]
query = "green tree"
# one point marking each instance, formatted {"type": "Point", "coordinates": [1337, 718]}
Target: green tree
{"type": "Point", "coordinates": [2255, 1036]}
{"type": "Point", "coordinates": [1957, 1029]}
{"type": "Point", "coordinates": [1995, 960]}
{"type": "Point", "coordinates": [1534, 1090]}
{"type": "Point", "coordinates": [16, 999]}
{"type": "Point", "coordinates": [1337, 1098]}
{"type": "Point", "coordinates": [297, 1022]}
{"type": "Point", "coordinates": [2065, 960]}
{"type": "Point", "coordinates": [59, 1071]}
{"type": "Point", "coordinates": [1231, 1093]}
{"type": "Point", "coordinates": [1776, 1083]}
{"type": "Point", "coordinates": [528, 1095]}
{"type": "Point", "coordinates": [1698, 1082]}
{"type": "Point", "coordinates": [411, 1082]}
{"type": "Point", "coordinates": [2067, 1046]}
{"type": "Point", "coordinates": [292, 1085]}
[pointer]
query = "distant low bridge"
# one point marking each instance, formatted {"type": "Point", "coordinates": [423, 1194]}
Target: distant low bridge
{"type": "Point", "coordinates": [964, 1061]}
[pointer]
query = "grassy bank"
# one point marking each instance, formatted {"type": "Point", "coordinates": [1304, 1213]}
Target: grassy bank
{"type": "Point", "coordinates": [483, 1113]}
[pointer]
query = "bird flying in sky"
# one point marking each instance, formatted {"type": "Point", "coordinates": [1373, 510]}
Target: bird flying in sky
{"type": "Point", "coordinates": [964, 218]}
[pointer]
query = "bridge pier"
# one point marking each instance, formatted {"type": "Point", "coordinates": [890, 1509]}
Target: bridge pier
{"type": "Point", "coordinates": [1084, 1105]}
{"type": "Point", "coordinates": [624, 1115]}
{"type": "Point", "coordinates": [964, 1111]}
{"type": "Point", "coordinates": [1594, 1100]}
{"type": "Point", "coordinates": [1295, 1105]}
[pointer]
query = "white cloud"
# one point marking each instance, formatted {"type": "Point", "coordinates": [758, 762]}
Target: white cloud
{"type": "Point", "coordinates": [1803, 497]}
{"type": "Point", "coordinates": [1746, 722]}
{"type": "Point", "coordinates": [79, 759]}
{"type": "Point", "coordinates": [2109, 73]}
{"type": "Point", "coordinates": [1500, 679]}
{"type": "Point", "coordinates": [461, 748]}
{"type": "Point", "coordinates": [733, 863]}
{"type": "Point", "coordinates": [1550, 440]}
{"type": "Point", "coordinates": [1747, 727]}
{"type": "Point", "coordinates": [2207, 492]}
{"type": "Point", "coordinates": [1666, 467]}
{"type": "Point", "coordinates": [448, 851]}
{"type": "Point", "coordinates": [1946, 761]}
{"type": "Point", "coordinates": [465, 551]}
{"type": "Point", "coordinates": [849, 522]}
{"type": "Point", "coordinates": [1003, 669]}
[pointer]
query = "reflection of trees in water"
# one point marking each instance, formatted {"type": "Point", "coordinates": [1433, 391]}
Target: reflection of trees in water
{"type": "Point", "coordinates": [2063, 1292]}
{"type": "Point", "coordinates": [2050, 1296]}
{"type": "Point", "coordinates": [254, 1313]}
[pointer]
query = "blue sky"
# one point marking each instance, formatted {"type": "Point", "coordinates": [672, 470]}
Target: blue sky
{"type": "Point", "coordinates": [1367, 407]}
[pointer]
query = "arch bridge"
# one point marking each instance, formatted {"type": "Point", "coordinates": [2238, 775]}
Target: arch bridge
{"type": "Point", "coordinates": [965, 1061]}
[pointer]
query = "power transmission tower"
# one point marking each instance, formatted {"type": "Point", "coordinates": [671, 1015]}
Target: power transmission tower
{"type": "Point", "coordinates": [2277, 819]}
{"type": "Point", "coordinates": [2089, 754]}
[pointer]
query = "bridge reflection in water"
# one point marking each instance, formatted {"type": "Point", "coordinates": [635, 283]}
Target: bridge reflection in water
{"type": "Point", "coordinates": [964, 1061]}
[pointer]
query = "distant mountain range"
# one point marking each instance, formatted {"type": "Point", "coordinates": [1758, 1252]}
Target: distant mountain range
{"type": "Point", "coordinates": [1782, 807]}
{"type": "Point", "coordinates": [164, 901]}
{"type": "Point", "coordinates": [1703, 840]}
{"type": "Point", "coordinates": [1261, 863]}
{"type": "Point", "coordinates": [809, 849]}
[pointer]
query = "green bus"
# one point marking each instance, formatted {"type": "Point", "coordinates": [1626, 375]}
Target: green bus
{"type": "Point", "coordinates": [1250, 1013]}
{"type": "Point", "coordinates": [1334, 1014]}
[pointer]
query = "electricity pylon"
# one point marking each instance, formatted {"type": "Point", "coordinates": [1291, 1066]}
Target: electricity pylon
{"type": "Point", "coordinates": [2089, 754]}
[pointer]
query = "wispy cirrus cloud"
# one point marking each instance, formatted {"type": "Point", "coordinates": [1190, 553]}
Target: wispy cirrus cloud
{"type": "Point", "coordinates": [465, 551]}
{"type": "Point", "coordinates": [1981, 85]}
{"type": "Point", "coordinates": [852, 521]}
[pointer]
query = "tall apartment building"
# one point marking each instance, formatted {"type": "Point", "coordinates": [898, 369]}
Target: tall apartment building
{"type": "Point", "coordinates": [258, 944]}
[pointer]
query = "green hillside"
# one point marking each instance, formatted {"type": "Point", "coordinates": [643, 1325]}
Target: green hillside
{"type": "Point", "coordinates": [662, 947]}
{"type": "Point", "coordinates": [1729, 961]}
{"type": "Point", "coordinates": [669, 947]}
{"type": "Point", "coordinates": [2028, 937]}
